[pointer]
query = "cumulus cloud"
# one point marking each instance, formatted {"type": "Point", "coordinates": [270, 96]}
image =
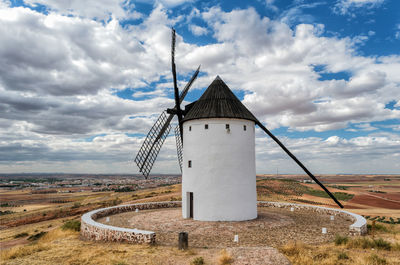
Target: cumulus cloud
{"type": "Point", "coordinates": [276, 69]}
{"type": "Point", "coordinates": [197, 30]}
{"type": "Point", "coordinates": [332, 155]}
{"type": "Point", "coordinates": [97, 9]}
{"type": "Point", "coordinates": [167, 3]}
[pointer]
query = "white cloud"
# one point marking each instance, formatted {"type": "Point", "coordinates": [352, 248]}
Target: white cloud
{"type": "Point", "coordinates": [397, 32]}
{"type": "Point", "coordinates": [283, 90]}
{"type": "Point", "coordinates": [350, 7]}
{"type": "Point", "coordinates": [296, 15]}
{"type": "Point", "coordinates": [366, 127]}
{"type": "Point", "coordinates": [197, 30]}
{"type": "Point", "coordinates": [364, 155]}
{"type": "Point", "coordinates": [99, 9]}
{"type": "Point", "coordinates": [270, 4]}
{"type": "Point", "coordinates": [166, 3]}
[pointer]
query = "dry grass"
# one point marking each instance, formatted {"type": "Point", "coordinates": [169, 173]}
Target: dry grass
{"type": "Point", "coordinates": [302, 254]}
{"type": "Point", "coordinates": [224, 258]}
{"type": "Point", "coordinates": [380, 248]}
{"type": "Point", "coordinates": [65, 247]}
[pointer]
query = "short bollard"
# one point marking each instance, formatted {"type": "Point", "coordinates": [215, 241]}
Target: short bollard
{"type": "Point", "coordinates": [183, 240]}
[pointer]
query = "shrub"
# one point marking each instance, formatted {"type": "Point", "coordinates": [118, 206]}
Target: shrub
{"type": "Point", "coordinates": [74, 225]}
{"type": "Point", "coordinates": [339, 240]}
{"type": "Point", "coordinates": [377, 227]}
{"type": "Point", "coordinates": [396, 247]}
{"type": "Point", "coordinates": [320, 256]}
{"type": "Point", "coordinates": [6, 212]}
{"type": "Point", "coordinates": [120, 263]}
{"type": "Point", "coordinates": [382, 244]}
{"type": "Point", "coordinates": [360, 242]}
{"type": "Point", "coordinates": [376, 260]}
{"type": "Point", "coordinates": [369, 243]}
{"type": "Point", "coordinates": [37, 236]}
{"type": "Point", "coordinates": [292, 248]}
{"type": "Point", "coordinates": [197, 261]}
{"type": "Point", "coordinates": [24, 234]}
{"type": "Point", "coordinates": [76, 205]}
{"type": "Point", "coordinates": [343, 255]}
{"type": "Point", "coordinates": [343, 196]}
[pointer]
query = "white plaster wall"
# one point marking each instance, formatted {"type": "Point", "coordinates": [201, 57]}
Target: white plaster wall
{"type": "Point", "coordinates": [223, 173]}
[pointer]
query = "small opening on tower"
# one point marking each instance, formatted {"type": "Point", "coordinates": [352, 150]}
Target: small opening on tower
{"type": "Point", "coordinates": [190, 163]}
{"type": "Point", "coordinates": [190, 128]}
{"type": "Point", "coordinates": [206, 126]}
{"type": "Point", "coordinates": [227, 126]}
{"type": "Point", "coordinates": [244, 127]}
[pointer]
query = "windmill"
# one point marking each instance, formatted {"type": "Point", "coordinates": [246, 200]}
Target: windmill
{"type": "Point", "coordinates": [218, 161]}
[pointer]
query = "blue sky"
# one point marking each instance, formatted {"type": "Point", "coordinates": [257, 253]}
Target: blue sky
{"type": "Point", "coordinates": [81, 82]}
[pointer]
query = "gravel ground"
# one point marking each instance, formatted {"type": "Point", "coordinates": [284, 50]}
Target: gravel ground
{"type": "Point", "coordinates": [257, 255]}
{"type": "Point", "coordinates": [273, 227]}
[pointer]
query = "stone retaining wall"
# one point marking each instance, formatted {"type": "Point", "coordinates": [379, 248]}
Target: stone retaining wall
{"type": "Point", "coordinates": [359, 227]}
{"type": "Point", "coordinates": [92, 230]}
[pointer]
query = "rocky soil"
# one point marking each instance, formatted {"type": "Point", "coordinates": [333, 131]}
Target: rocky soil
{"type": "Point", "coordinates": [273, 227]}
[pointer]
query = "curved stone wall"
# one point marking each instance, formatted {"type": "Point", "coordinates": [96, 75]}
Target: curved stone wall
{"type": "Point", "coordinates": [359, 227]}
{"type": "Point", "coordinates": [92, 230]}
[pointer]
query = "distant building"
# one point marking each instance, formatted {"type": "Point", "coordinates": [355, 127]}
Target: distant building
{"type": "Point", "coordinates": [308, 181]}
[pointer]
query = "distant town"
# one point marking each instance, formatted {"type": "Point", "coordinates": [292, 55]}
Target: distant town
{"type": "Point", "coordinates": [68, 183]}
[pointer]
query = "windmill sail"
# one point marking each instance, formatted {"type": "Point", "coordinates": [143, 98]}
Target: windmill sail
{"type": "Point", "coordinates": [152, 144]}
{"type": "Point", "coordinates": [176, 90]}
{"type": "Point", "coordinates": [179, 146]}
{"type": "Point", "coordinates": [299, 163]}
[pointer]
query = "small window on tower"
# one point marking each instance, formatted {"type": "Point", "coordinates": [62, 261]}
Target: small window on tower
{"type": "Point", "coordinates": [244, 127]}
{"type": "Point", "coordinates": [206, 126]}
{"type": "Point", "coordinates": [227, 126]}
{"type": "Point", "coordinates": [190, 128]}
{"type": "Point", "coordinates": [190, 163]}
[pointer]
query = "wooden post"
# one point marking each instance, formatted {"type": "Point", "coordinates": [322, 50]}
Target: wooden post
{"type": "Point", "coordinates": [183, 240]}
{"type": "Point", "coordinates": [373, 229]}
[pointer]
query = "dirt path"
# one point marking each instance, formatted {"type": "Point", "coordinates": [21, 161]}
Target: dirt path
{"type": "Point", "coordinates": [257, 255]}
{"type": "Point", "coordinates": [11, 243]}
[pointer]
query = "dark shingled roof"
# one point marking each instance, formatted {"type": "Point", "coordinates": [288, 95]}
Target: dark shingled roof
{"type": "Point", "coordinates": [218, 101]}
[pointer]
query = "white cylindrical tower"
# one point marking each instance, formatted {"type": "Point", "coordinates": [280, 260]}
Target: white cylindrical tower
{"type": "Point", "coordinates": [218, 169]}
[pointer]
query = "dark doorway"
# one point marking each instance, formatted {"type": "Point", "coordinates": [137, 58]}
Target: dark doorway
{"type": "Point", "coordinates": [190, 204]}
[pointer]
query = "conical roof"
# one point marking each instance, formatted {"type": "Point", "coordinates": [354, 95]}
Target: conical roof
{"type": "Point", "coordinates": [218, 101]}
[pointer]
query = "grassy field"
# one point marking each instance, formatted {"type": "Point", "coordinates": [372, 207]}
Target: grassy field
{"type": "Point", "coordinates": [58, 246]}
